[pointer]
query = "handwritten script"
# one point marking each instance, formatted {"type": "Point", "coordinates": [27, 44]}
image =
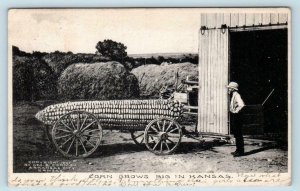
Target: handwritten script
{"type": "Point", "coordinates": [146, 180]}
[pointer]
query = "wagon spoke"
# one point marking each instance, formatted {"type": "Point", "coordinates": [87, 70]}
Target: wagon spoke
{"type": "Point", "coordinates": [164, 125]}
{"type": "Point", "coordinates": [161, 146]}
{"type": "Point", "coordinates": [158, 125]}
{"type": "Point", "coordinates": [166, 145]}
{"type": "Point", "coordinates": [71, 145]}
{"type": "Point", "coordinates": [78, 122]}
{"type": "Point", "coordinates": [76, 152]}
{"type": "Point", "coordinates": [173, 135]}
{"type": "Point", "coordinates": [153, 133]}
{"type": "Point", "coordinates": [83, 121]}
{"type": "Point", "coordinates": [156, 144]}
{"type": "Point", "coordinates": [65, 142]}
{"type": "Point", "coordinates": [170, 141]}
{"type": "Point", "coordinates": [82, 145]}
{"type": "Point", "coordinates": [89, 142]}
{"type": "Point", "coordinates": [66, 126]}
{"type": "Point", "coordinates": [64, 130]}
{"type": "Point", "coordinates": [88, 125]}
{"type": "Point", "coordinates": [154, 129]}
{"type": "Point", "coordinates": [71, 122]}
{"type": "Point", "coordinates": [152, 139]}
{"type": "Point", "coordinates": [63, 136]}
{"type": "Point", "coordinates": [169, 126]}
{"type": "Point", "coordinates": [174, 130]}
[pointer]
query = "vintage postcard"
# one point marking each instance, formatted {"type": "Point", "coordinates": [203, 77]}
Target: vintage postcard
{"type": "Point", "coordinates": [137, 97]}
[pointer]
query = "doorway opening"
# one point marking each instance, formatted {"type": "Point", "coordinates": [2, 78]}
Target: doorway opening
{"type": "Point", "coordinates": [259, 63]}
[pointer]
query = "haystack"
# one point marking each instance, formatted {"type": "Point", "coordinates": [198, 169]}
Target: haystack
{"type": "Point", "coordinates": [97, 81]}
{"type": "Point", "coordinates": [154, 77]}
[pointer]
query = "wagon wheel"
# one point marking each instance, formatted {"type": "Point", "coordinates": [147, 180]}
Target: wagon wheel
{"type": "Point", "coordinates": [138, 137]}
{"type": "Point", "coordinates": [77, 134]}
{"type": "Point", "coordinates": [162, 136]}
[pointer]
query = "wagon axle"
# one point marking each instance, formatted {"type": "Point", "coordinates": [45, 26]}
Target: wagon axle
{"type": "Point", "coordinates": [77, 133]}
{"type": "Point", "coordinates": [163, 136]}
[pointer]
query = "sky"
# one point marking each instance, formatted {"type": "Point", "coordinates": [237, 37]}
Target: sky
{"type": "Point", "coordinates": [141, 30]}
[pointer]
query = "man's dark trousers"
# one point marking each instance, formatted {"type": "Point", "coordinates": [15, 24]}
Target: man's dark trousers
{"type": "Point", "coordinates": [236, 124]}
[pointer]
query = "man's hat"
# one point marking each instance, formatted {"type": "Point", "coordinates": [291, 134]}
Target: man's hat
{"type": "Point", "coordinates": [233, 85]}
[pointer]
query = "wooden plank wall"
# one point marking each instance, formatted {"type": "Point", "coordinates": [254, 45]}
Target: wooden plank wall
{"type": "Point", "coordinates": [212, 20]}
{"type": "Point", "coordinates": [213, 78]}
{"type": "Point", "coordinates": [214, 65]}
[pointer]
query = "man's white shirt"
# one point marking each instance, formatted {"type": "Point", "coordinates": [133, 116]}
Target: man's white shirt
{"type": "Point", "coordinates": [236, 103]}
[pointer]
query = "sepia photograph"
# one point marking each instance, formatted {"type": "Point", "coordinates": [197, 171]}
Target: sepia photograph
{"type": "Point", "coordinates": [149, 97]}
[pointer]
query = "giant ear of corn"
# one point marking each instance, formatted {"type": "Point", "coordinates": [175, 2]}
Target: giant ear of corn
{"type": "Point", "coordinates": [115, 114]}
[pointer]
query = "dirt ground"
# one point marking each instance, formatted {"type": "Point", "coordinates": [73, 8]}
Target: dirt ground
{"type": "Point", "coordinates": [118, 153]}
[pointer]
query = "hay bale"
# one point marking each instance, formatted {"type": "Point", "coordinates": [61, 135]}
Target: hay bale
{"type": "Point", "coordinates": [100, 81]}
{"type": "Point", "coordinates": [154, 77]}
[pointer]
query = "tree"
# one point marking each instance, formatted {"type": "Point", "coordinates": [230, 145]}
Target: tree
{"type": "Point", "coordinates": [17, 52]}
{"type": "Point", "coordinates": [33, 79]}
{"type": "Point", "coordinates": [161, 59]}
{"type": "Point", "coordinates": [38, 54]}
{"type": "Point", "coordinates": [114, 50]}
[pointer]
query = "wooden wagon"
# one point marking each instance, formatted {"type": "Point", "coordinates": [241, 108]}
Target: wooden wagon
{"type": "Point", "coordinates": [76, 127]}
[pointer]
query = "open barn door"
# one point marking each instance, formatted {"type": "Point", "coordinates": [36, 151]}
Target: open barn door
{"type": "Point", "coordinates": [213, 78]}
{"type": "Point", "coordinates": [258, 62]}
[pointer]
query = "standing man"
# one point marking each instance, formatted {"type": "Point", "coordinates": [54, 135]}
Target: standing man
{"type": "Point", "coordinates": [236, 106]}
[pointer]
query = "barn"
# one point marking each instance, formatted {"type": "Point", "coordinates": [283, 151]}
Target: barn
{"type": "Point", "coordinates": [250, 48]}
